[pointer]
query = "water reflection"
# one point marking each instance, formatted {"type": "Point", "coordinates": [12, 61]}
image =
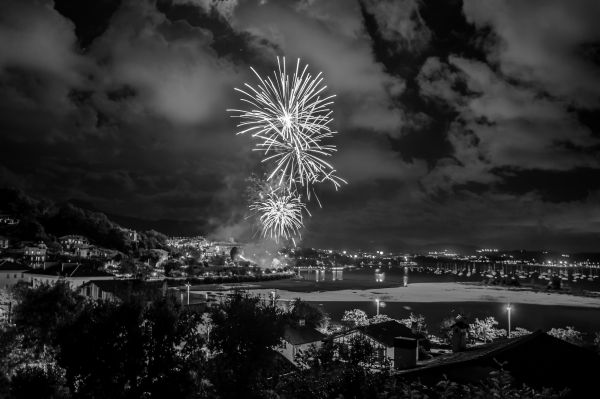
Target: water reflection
{"type": "Point", "coordinates": [337, 275]}
{"type": "Point", "coordinates": [319, 275]}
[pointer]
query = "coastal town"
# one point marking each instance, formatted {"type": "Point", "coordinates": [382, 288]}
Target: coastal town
{"type": "Point", "coordinates": [205, 276]}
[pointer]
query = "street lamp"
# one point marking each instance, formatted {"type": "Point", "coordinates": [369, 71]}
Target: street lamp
{"type": "Point", "coordinates": [377, 302]}
{"type": "Point", "coordinates": [509, 308]}
{"type": "Point", "coordinates": [188, 285]}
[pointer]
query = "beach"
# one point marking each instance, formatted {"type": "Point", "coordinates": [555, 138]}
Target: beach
{"type": "Point", "coordinates": [438, 292]}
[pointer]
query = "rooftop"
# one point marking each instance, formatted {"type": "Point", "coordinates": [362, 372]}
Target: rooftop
{"type": "Point", "coordinates": [70, 270]}
{"type": "Point", "coordinates": [8, 265]}
{"type": "Point", "coordinates": [124, 289]}
{"type": "Point", "coordinates": [537, 359]}
{"type": "Point", "coordinates": [302, 335]}
{"type": "Point", "coordinates": [386, 331]}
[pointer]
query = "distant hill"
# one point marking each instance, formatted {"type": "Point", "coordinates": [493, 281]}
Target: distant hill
{"type": "Point", "coordinates": [46, 221]}
{"type": "Point", "coordinates": [453, 247]}
{"type": "Point", "coordinates": [168, 226]}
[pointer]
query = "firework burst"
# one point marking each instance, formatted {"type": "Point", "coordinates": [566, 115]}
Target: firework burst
{"type": "Point", "coordinates": [280, 212]}
{"type": "Point", "coordinates": [290, 117]}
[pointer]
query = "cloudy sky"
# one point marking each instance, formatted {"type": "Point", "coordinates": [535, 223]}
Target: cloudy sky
{"type": "Point", "coordinates": [461, 122]}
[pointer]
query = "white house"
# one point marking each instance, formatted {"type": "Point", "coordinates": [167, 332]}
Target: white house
{"type": "Point", "coordinates": [72, 273]}
{"type": "Point", "coordinates": [297, 339]}
{"type": "Point", "coordinates": [394, 343]}
{"type": "Point", "coordinates": [11, 273]}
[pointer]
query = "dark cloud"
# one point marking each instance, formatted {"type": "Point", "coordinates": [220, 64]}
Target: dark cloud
{"type": "Point", "coordinates": [472, 123]}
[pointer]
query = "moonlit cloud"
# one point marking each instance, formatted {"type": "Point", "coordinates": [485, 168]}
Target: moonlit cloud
{"type": "Point", "coordinates": [343, 55]}
{"type": "Point", "coordinates": [463, 129]}
{"type": "Point", "coordinates": [547, 43]}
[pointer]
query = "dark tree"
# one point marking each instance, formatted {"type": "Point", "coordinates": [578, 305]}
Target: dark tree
{"type": "Point", "coordinates": [312, 315]}
{"type": "Point", "coordinates": [128, 351]}
{"type": "Point", "coordinates": [245, 330]}
{"type": "Point", "coordinates": [38, 382]}
{"type": "Point", "coordinates": [42, 311]}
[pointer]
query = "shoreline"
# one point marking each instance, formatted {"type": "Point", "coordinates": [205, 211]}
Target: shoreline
{"type": "Point", "coordinates": [436, 292]}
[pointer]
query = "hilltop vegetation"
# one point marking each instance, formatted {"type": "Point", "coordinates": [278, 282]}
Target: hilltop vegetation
{"type": "Point", "coordinates": [43, 220]}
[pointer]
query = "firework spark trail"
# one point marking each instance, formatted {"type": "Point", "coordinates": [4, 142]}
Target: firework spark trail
{"type": "Point", "coordinates": [281, 214]}
{"type": "Point", "coordinates": [290, 118]}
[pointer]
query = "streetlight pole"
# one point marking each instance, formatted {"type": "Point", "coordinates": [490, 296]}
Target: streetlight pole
{"type": "Point", "coordinates": [509, 308]}
{"type": "Point", "coordinates": [377, 302]}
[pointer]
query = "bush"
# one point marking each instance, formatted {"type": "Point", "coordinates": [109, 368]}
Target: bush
{"type": "Point", "coordinates": [568, 334]}
{"type": "Point", "coordinates": [485, 330]}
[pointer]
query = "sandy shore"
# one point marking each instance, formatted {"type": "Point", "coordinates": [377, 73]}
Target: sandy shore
{"type": "Point", "coordinates": [440, 292]}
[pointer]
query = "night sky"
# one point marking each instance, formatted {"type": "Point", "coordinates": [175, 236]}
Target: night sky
{"type": "Point", "coordinates": [461, 123]}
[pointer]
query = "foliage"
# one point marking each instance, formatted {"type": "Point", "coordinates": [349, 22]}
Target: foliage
{"type": "Point", "coordinates": [485, 330]}
{"type": "Point", "coordinates": [379, 318]}
{"type": "Point", "coordinates": [596, 342]}
{"type": "Point", "coordinates": [39, 382]}
{"type": "Point", "coordinates": [335, 370]}
{"type": "Point", "coordinates": [127, 350]}
{"type": "Point", "coordinates": [357, 351]}
{"type": "Point", "coordinates": [568, 334]}
{"type": "Point", "coordinates": [519, 332]}
{"type": "Point", "coordinates": [313, 316]}
{"type": "Point", "coordinates": [416, 321]}
{"type": "Point", "coordinates": [44, 220]}
{"type": "Point", "coordinates": [41, 312]}
{"type": "Point", "coordinates": [445, 328]}
{"type": "Point", "coordinates": [244, 332]}
{"type": "Point", "coordinates": [332, 375]}
{"type": "Point", "coordinates": [498, 384]}
{"type": "Point", "coordinates": [76, 348]}
{"type": "Point", "coordinates": [355, 318]}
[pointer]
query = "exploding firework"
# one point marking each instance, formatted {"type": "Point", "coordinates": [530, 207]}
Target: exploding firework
{"type": "Point", "coordinates": [290, 117]}
{"type": "Point", "coordinates": [280, 212]}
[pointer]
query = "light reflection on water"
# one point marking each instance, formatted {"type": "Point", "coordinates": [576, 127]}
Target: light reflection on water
{"type": "Point", "coordinates": [321, 275]}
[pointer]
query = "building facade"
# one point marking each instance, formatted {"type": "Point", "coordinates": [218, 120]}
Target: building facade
{"type": "Point", "coordinates": [35, 255]}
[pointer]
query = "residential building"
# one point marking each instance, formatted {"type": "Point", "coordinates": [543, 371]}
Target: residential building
{"type": "Point", "coordinates": [8, 219]}
{"type": "Point", "coordinates": [537, 359]}
{"type": "Point", "coordinates": [83, 251]}
{"type": "Point", "coordinates": [4, 242]}
{"type": "Point", "coordinates": [97, 252]}
{"type": "Point", "coordinates": [121, 290]}
{"type": "Point", "coordinates": [72, 241]}
{"type": "Point", "coordinates": [224, 247]}
{"type": "Point", "coordinates": [298, 339]}
{"type": "Point", "coordinates": [197, 242]}
{"type": "Point", "coordinates": [74, 274]}
{"type": "Point", "coordinates": [11, 273]}
{"type": "Point", "coordinates": [35, 255]}
{"type": "Point", "coordinates": [131, 234]}
{"type": "Point", "coordinates": [394, 343]}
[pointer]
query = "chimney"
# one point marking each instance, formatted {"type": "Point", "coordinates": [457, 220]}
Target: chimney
{"type": "Point", "coordinates": [406, 352]}
{"type": "Point", "coordinates": [459, 338]}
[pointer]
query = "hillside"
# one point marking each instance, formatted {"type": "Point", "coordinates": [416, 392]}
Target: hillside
{"type": "Point", "coordinates": [46, 221]}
